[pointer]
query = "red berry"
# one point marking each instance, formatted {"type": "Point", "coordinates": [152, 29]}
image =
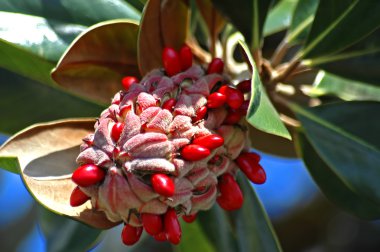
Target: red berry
{"type": "Point", "coordinates": [116, 130]}
{"type": "Point", "coordinates": [211, 142]}
{"type": "Point", "coordinates": [152, 223]}
{"type": "Point", "coordinates": [160, 236]}
{"type": "Point", "coordinates": [194, 152]}
{"type": "Point", "coordinates": [169, 104]}
{"type": "Point", "coordinates": [130, 235]}
{"type": "Point", "coordinates": [171, 61]}
{"type": "Point", "coordinates": [200, 114]}
{"type": "Point", "coordinates": [216, 66]}
{"type": "Point", "coordinates": [232, 117]}
{"type": "Point", "coordinates": [162, 184]}
{"type": "Point", "coordinates": [172, 226]}
{"type": "Point", "coordinates": [244, 107]}
{"type": "Point", "coordinates": [186, 57]}
{"type": "Point", "coordinates": [249, 165]}
{"type": "Point", "coordinates": [231, 197]}
{"type": "Point", "coordinates": [216, 100]}
{"type": "Point", "coordinates": [244, 86]}
{"type": "Point", "coordinates": [234, 97]}
{"type": "Point", "coordinates": [88, 175]}
{"type": "Point", "coordinates": [78, 197]}
{"type": "Point", "coordinates": [189, 218]}
{"type": "Point", "coordinates": [127, 81]}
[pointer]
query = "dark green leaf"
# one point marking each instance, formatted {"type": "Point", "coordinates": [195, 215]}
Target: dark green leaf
{"type": "Point", "coordinates": [331, 185]}
{"type": "Point", "coordinates": [261, 113]}
{"type": "Point", "coordinates": [332, 29]}
{"type": "Point", "coordinates": [247, 16]}
{"type": "Point", "coordinates": [217, 229]}
{"type": "Point", "coordinates": [329, 84]}
{"type": "Point", "coordinates": [95, 63]}
{"type": "Point", "coordinates": [346, 136]}
{"type": "Point", "coordinates": [253, 229]}
{"type": "Point", "coordinates": [63, 234]}
{"type": "Point", "coordinates": [194, 239]}
{"type": "Point", "coordinates": [279, 17]}
{"type": "Point", "coordinates": [301, 22]}
{"type": "Point", "coordinates": [26, 102]}
{"type": "Point", "coordinates": [73, 11]}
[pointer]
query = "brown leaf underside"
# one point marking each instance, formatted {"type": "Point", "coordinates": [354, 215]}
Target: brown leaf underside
{"type": "Point", "coordinates": [46, 154]}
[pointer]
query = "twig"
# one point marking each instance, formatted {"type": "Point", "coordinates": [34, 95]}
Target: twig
{"type": "Point", "coordinates": [288, 70]}
{"type": "Point", "coordinates": [257, 58]}
{"type": "Point", "coordinates": [198, 52]}
{"type": "Point", "coordinates": [279, 53]}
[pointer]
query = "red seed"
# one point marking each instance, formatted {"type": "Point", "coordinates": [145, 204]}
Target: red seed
{"type": "Point", "coordinates": [130, 235]}
{"type": "Point", "coordinates": [162, 184]}
{"type": "Point", "coordinates": [160, 236]}
{"type": "Point", "coordinates": [116, 130]}
{"type": "Point", "coordinates": [231, 197]}
{"type": "Point", "coordinates": [172, 226]}
{"type": "Point", "coordinates": [244, 86]}
{"type": "Point", "coordinates": [194, 152]}
{"type": "Point", "coordinates": [169, 104]}
{"type": "Point", "coordinates": [171, 61]}
{"type": "Point", "coordinates": [78, 197]}
{"type": "Point", "coordinates": [128, 81]}
{"type": "Point", "coordinates": [234, 97]}
{"type": "Point", "coordinates": [152, 223]}
{"type": "Point", "coordinates": [249, 165]}
{"type": "Point", "coordinates": [244, 107]}
{"type": "Point", "coordinates": [216, 100]}
{"type": "Point", "coordinates": [186, 57]}
{"type": "Point", "coordinates": [216, 66]}
{"type": "Point", "coordinates": [189, 218]}
{"type": "Point", "coordinates": [88, 175]}
{"type": "Point", "coordinates": [233, 117]}
{"type": "Point", "coordinates": [211, 142]}
{"type": "Point", "coordinates": [200, 114]}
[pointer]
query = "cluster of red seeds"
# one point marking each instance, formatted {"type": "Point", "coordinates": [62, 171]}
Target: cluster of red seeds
{"type": "Point", "coordinates": [167, 227]}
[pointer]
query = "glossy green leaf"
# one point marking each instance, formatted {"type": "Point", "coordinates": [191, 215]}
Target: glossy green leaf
{"type": "Point", "coordinates": [63, 234]}
{"type": "Point", "coordinates": [247, 16]}
{"type": "Point", "coordinates": [346, 89]}
{"type": "Point", "coordinates": [332, 29]}
{"type": "Point", "coordinates": [73, 11]}
{"type": "Point", "coordinates": [254, 231]}
{"type": "Point", "coordinates": [164, 23]}
{"type": "Point", "coordinates": [346, 136]}
{"type": "Point", "coordinates": [26, 102]}
{"type": "Point", "coordinates": [261, 113]}
{"type": "Point", "coordinates": [194, 239]}
{"type": "Point", "coordinates": [279, 16]}
{"type": "Point", "coordinates": [331, 185]}
{"type": "Point", "coordinates": [217, 228]}
{"type": "Point", "coordinates": [301, 21]}
{"type": "Point", "coordinates": [95, 63]}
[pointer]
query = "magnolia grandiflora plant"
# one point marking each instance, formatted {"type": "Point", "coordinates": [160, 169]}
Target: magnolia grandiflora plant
{"type": "Point", "coordinates": [186, 88]}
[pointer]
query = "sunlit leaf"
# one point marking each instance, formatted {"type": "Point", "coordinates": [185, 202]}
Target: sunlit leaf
{"type": "Point", "coordinates": [332, 186]}
{"type": "Point", "coordinates": [95, 63]}
{"type": "Point", "coordinates": [345, 135]}
{"type": "Point", "coordinates": [261, 113]}
{"type": "Point", "coordinates": [279, 16]}
{"type": "Point", "coordinates": [45, 155]}
{"type": "Point", "coordinates": [164, 23]}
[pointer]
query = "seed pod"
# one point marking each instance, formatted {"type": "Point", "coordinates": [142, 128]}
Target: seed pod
{"type": "Point", "coordinates": [127, 81]}
{"type": "Point", "coordinates": [88, 175]}
{"type": "Point", "coordinates": [211, 142]}
{"type": "Point", "coordinates": [216, 66]}
{"type": "Point", "coordinates": [78, 197]}
{"type": "Point", "coordinates": [244, 86]}
{"type": "Point", "coordinates": [163, 185]}
{"type": "Point", "coordinates": [169, 104]}
{"type": "Point", "coordinates": [189, 218]}
{"type": "Point", "coordinates": [186, 57]}
{"type": "Point", "coordinates": [216, 100]}
{"type": "Point", "coordinates": [249, 165]}
{"type": "Point", "coordinates": [194, 152]}
{"type": "Point", "coordinates": [116, 130]}
{"type": "Point", "coordinates": [233, 117]}
{"type": "Point", "coordinates": [152, 223]}
{"type": "Point", "coordinates": [231, 197]}
{"type": "Point", "coordinates": [130, 235]}
{"type": "Point", "coordinates": [172, 226]}
{"type": "Point", "coordinates": [171, 61]}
